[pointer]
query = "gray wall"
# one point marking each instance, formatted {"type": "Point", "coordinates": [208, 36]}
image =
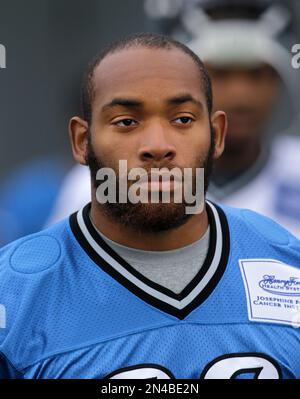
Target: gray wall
{"type": "Point", "coordinates": [48, 44]}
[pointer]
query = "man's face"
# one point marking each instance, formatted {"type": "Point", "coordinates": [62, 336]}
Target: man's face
{"type": "Point", "coordinates": [150, 110]}
{"type": "Point", "coordinates": [247, 95]}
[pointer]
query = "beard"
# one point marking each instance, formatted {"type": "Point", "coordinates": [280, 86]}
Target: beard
{"type": "Point", "coordinates": [148, 217]}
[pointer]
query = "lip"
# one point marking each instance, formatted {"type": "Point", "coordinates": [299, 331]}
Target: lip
{"type": "Point", "coordinates": [156, 177]}
{"type": "Point", "coordinates": [159, 182]}
{"type": "Point", "coordinates": [157, 186]}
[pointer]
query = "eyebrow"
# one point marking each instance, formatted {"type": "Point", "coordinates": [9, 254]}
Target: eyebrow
{"type": "Point", "coordinates": [123, 102]}
{"type": "Point", "coordinates": [134, 103]}
{"type": "Point", "coordinates": [185, 98]}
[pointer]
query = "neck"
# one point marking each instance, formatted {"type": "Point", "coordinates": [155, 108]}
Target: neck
{"type": "Point", "coordinates": [190, 232]}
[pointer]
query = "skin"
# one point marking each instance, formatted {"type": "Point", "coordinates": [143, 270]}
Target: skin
{"type": "Point", "coordinates": [247, 95]}
{"type": "Point", "coordinates": [156, 135]}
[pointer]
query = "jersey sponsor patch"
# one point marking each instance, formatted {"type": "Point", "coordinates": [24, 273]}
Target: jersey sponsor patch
{"type": "Point", "coordinates": [272, 291]}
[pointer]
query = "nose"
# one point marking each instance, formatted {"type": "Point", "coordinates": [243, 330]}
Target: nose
{"type": "Point", "coordinates": [156, 144]}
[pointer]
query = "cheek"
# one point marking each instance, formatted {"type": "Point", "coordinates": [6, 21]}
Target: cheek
{"type": "Point", "coordinates": [104, 142]}
{"type": "Point", "coordinates": [196, 147]}
{"type": "Point", "coordinates": [112, 148]}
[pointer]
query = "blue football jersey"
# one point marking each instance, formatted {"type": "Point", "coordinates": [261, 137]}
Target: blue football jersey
{"type": "Point", "coordinates": [71, 307]}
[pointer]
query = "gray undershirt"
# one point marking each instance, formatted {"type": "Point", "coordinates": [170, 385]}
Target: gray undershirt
{"type": "Point", "coordinates": [173, 269]}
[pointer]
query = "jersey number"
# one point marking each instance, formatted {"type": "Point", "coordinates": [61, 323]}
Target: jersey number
{"type": "Point", "coordinates": [230, 366]}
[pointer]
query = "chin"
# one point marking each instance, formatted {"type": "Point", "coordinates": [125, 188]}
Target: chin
{"type": "Point", "coordinates": [149, 218]}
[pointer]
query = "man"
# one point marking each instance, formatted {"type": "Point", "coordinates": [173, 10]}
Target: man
{"type": "Point", "coordinates": [241, 44]}
{"type": "Point", "coordinates": [145, 290]}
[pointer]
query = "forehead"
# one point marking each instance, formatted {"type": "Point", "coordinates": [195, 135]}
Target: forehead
{"type": "Point", "coordinates": [148, 73]}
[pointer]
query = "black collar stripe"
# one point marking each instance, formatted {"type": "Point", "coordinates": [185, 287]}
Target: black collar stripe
{"type": "Point", "coordinates": [119, 268]}
{"type": "Point", "coordinates": [177, 304]}
{"type": "Point", "coordinates": [214, 264]}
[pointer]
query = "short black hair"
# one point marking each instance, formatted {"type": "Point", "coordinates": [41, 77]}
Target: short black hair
{"type": "Point", "coordinates": [149, 40]}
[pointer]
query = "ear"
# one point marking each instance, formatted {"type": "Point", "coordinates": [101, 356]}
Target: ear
{"type": "Point", "coordinates": [219, 123]}
{"type": "Point", "coordinates": [78, 132]}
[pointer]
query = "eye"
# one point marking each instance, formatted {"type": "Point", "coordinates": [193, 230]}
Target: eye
{"type": "Point", "coordinates": [184, 120]}
{"type": "Point", "coordinates": [126, 122]}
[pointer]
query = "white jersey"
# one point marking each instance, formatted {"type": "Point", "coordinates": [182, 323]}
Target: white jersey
{"type": "Point", "coordinates": [74, 194]}
{"type": "Point", "coordinates": [272, 190]}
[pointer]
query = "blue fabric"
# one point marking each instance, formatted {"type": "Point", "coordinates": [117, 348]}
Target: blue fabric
{"type": "Point", "coordinates": [27, 197]}
{"type": "Point", "coordinates": [67, 318]}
